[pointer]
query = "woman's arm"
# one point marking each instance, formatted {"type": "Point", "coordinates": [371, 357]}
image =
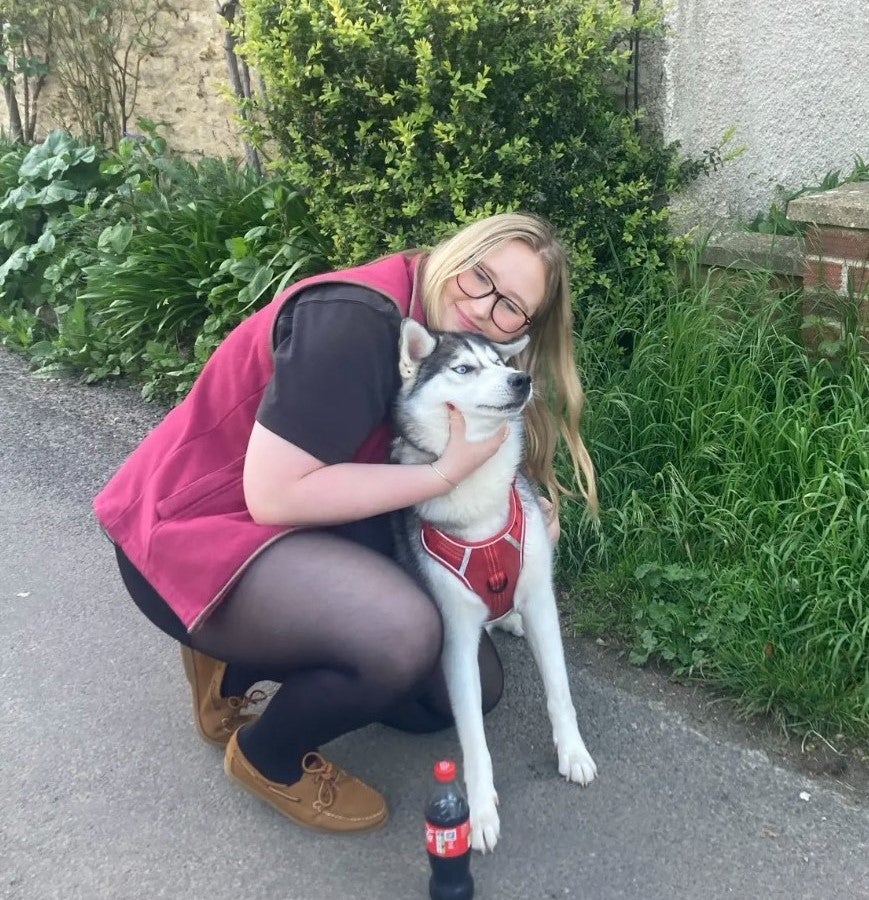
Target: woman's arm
{"type": "Point", "coordinates": [285, 485]}
{"type": "Point", "coordinates": [553, 526]}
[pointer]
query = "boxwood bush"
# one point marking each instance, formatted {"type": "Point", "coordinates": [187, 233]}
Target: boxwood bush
{"type": "Point", "coordinates": [402, 118]}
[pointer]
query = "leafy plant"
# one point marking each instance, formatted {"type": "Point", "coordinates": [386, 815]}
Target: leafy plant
{"type": "Point", "coordinates": [50, 177]}
{"type": "Point", "coordinates": [169, 282]}
{"type": "Point", "coordinates": [133, 262]}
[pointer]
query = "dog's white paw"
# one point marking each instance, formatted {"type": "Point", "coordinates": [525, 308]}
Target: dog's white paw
{"type": "Point", "coordinates": [485, 825]}
{"type": "Point", "coordinates": [511, 623]}
{"type": "Point", "coordinates": [575, 762]}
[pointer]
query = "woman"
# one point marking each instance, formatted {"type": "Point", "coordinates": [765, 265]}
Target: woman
{"type": "Point", "coordinates": [251, 524]}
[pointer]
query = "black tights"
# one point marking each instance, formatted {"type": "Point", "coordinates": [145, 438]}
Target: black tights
{"type": "Point", "coordinates": [350, 638]}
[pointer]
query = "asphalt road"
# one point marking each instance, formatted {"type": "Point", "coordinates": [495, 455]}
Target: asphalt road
{"type": "Point", "coordinates": [107, 792]}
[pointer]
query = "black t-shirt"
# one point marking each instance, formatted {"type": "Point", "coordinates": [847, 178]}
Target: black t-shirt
{"type": "Point", "coordinates": [336, 370]}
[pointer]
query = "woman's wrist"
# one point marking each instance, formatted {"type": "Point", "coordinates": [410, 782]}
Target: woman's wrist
{"type": "Point", "coordinates": [439, 471]}
{"type": "Point", "coordinates": [443, 482]}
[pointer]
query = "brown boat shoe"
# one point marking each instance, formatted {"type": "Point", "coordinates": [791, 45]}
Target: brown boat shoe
{"type": "Point", "coordinates": [325, 798]}
{"type": "Point", "coordinates": [215, 717]}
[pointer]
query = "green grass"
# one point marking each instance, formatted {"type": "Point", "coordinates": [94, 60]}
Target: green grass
{"type": "Point", "coordinates": [734, 474]}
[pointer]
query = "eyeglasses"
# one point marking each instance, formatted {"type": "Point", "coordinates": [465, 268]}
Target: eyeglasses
{"type": "Point", "coordinates": [505, 313]}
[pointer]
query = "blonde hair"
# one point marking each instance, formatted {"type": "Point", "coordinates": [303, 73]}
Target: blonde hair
{"type": "Point", "coordinates": [558, 399]}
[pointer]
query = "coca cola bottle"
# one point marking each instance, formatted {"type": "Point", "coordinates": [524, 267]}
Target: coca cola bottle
{"type": "Point", "coordinates": [448, 837]}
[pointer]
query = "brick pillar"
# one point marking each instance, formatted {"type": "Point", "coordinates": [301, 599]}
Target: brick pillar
{"type": "Point", "coordinates": [836, 258]}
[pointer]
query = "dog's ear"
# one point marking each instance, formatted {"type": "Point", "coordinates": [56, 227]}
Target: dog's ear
{"type": "Point", "coordinates": [414, 345]}
{"type": "Point", "coordinates": [512, 348]}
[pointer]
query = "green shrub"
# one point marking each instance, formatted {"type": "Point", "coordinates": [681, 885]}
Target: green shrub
{"type": "Point", "coordinates": [170, 287]}
{"type": "Point", "coordinates": [47, 180]}
{"type": "Point", "coordinates": [401, 118]}
{"type": "Point", "coordinates": [40, 186]}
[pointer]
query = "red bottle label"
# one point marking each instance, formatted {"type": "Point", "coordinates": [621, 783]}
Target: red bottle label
{"type": "Point", "coordinates": [448, 842]}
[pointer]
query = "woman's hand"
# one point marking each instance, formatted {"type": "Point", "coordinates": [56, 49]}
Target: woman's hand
{"type": "Point", "coordinates": [461, 457]}
{"type": "Point", "coordinates": [553, 526]}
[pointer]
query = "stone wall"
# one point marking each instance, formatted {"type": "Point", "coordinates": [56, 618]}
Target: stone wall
{"type": "Point", "coordinates": [837, 240]}
{"type": "Point", "coordinates": [181, 86]}
{"type": "Point", "coordinates": [836, 266]}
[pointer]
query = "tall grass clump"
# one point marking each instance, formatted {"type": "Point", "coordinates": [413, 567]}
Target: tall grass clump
{"type": "Point", "coordinates": [169, 282]}
{"type": "Point", "coordinates": [734, 475]}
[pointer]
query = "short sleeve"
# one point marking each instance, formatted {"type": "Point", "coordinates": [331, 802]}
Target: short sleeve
{"type": "Point", "coordinates": [336, 370]}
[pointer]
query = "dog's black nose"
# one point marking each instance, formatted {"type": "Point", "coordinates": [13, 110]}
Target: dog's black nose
{"type": "Point", "coordinates": [519, 381]}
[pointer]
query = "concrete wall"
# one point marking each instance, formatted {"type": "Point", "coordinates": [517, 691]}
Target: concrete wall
{"type": "Point", "coordinates": [792, 76]}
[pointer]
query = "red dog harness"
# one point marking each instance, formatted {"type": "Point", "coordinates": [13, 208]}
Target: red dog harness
{"type": "Point", "coordinates": [490, 568]}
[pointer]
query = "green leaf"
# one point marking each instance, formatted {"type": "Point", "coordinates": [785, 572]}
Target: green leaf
{"type": "Point", "coordinates": [19, 198]}
{"type": "Point", "coordinates": [46, 242]}
{"type": "Point", "coordinates": [9, 233]}
{"type": "Point", "coordinates": [115, 237]}
{"type": "Point", "coordinates": [245, 269]}
{"type": "Point", "coordinates": [15, 263]}
{"type": "Point", "coordinates": [55, 192]}
{"type": "Point", "coordinates": [261, 280]}
{"type": "Point", "coordinates": [238, 247]}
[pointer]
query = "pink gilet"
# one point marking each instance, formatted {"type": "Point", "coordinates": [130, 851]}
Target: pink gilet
{"type": "Point", "coordinates": [176, 506]}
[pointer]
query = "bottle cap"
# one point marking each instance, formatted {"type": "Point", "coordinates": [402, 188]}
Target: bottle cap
{"type": "Point", "coordinates": [445, 770]}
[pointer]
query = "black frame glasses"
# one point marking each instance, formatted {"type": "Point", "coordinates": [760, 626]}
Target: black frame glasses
{"type": "Point", "coordinates": [475, 293]}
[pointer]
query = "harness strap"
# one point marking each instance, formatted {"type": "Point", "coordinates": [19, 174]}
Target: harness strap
{"type": "Point", "coordinates": [490, 568]}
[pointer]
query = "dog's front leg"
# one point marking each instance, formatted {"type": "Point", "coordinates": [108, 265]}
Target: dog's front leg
{"type": "Point", "coordinates": [462, 673]}
{"type": "Point", "coordinates": [543, 634]}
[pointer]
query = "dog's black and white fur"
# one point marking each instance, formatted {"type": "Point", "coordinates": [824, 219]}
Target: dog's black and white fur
{"type": "Point", "coordinates": [469, 372]}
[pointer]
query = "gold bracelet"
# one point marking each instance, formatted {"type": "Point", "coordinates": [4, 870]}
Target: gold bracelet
{"type": "Point", "coordinates": [447, 480]}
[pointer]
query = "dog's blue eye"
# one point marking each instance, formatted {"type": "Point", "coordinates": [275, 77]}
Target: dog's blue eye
{"type": "Point", "coordinates": [463, 369]}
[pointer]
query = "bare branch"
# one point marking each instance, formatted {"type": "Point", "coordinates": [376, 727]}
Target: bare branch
{"type": "Point", "coordinates": [239, 75]}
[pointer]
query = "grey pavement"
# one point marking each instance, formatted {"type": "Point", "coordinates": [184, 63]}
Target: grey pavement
{"type": "Point", "coordinates": [107, 792]}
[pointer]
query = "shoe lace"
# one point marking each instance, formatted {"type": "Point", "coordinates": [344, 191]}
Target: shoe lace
{"type": "Point", "coordinates": [237, 706]}
{"type": "Point", "coordinates": [251, 698]}
{"type": "Point", "coordinates": [325, 775]}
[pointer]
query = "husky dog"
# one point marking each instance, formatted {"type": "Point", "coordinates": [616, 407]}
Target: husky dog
{"type": "Point", "coordinates": [451, 543]}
